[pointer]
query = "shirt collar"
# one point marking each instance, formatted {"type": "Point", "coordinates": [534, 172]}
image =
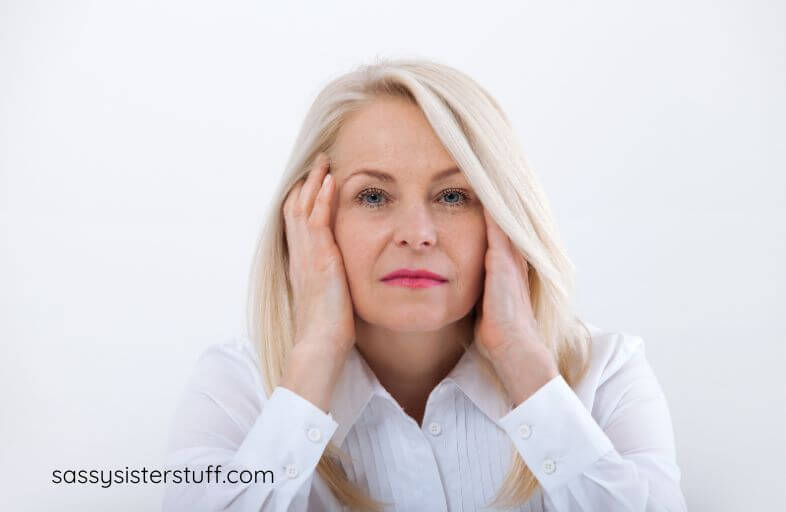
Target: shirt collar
{"type": "Point", "coordinates": [358, 384]}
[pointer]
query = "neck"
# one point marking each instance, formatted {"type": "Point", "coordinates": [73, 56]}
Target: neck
{"type": "Point", "coordinates": [409, 365]}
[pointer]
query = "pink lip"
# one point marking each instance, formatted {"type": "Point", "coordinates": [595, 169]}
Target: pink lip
{"type": "Point", "coordinates": [420, 278]}
{"type": "Point", "coordinates": [413, 282]}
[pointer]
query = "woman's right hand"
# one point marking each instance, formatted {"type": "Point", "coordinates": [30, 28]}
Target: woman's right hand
{"type": "Point", "coordinates": [324, 317]}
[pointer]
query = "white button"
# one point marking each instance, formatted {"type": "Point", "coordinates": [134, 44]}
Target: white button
{"type": "Point", "coordinates": [525, 431]}
{"type": "Point", "coordinates": [549, 466]}
{"type": "Point", "coordinates": [291, 471]}
{"type": "Point", "coordinates": [435, 428]}
{"type": "Point", "coordinates": [314, 434]}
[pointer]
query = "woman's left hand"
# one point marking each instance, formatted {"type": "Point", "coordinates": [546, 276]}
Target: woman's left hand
{"type": "Point", "coordinates": [505, 326]}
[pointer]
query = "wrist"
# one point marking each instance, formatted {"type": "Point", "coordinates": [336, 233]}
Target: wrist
{"type": "Point", "coordinates": [523, 369]}
{"type": "Point", "coordinates": [318, 355]}
{"type": "Point", "coordinates": [312, 371]}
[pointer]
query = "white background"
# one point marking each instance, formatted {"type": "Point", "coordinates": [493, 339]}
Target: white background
{"type": "Point", "coordinates": [141, 139]}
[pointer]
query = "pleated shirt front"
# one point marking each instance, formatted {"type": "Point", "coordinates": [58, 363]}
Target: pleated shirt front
{"type": "Point", "coordinates": [606, 445]}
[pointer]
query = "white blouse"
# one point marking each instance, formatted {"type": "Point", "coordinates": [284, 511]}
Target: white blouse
{"type": "Point", "coordinates": [606, 446]}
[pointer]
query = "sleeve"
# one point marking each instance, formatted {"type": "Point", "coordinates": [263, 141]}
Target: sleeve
{"type": "Point", "coordinates": [627, 464]}
{"type": "Point", "coordinates": [244, 452]}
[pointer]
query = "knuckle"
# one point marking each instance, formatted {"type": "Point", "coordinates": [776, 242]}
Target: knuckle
{"type": "Point", "coordinates": [296, 210]}
{"type": "Point", "coordinates": [313, 224]}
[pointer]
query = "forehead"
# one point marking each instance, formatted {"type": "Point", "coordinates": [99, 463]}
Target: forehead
{"type": "Point", "coordinates": [389, 134]}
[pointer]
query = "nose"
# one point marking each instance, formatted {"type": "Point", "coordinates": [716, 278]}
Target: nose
{"type": "Point", "coordinates": [415, 228]}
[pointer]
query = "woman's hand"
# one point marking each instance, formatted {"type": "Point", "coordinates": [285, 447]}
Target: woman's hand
{"type": "Point", "coordinates": [505, 325]}
{"type": "Point", "coordinates": [324, 317]}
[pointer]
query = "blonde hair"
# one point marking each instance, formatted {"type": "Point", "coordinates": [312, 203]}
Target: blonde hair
{"type": "Point", "coordinates": [478, 135]}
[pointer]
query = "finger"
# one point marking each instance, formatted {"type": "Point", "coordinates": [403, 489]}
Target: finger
{"type": "Point", "coordinates": [312, 185]}
{"type": "Point", "coordinates": [292, 226]}
{"type": "Point", "coordinates": [524, 265]}
{"type": "Point", "coordinates": [497, 239]}
{"type": "Point", "coordinates": [320, 216]}
{"type": "Point", "coordinates": [291, 199]}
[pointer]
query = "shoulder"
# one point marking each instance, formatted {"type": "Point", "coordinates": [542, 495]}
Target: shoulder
{"type": "Point", "coordinates": [618, 371]}
{"type": "Point", "coordinates": [237, 349]}
{"type": "Point", "coordinates": [612, 350]}
{"type": "Point", "coordinates": [222, 397]}
{"type": "Point", "coordinates": [231, 363]}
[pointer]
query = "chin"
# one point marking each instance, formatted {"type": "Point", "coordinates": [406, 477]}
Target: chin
{"type": "Point", "coordinates": [415, 327]}
{"type": "Point", "coordinates": [414, 319]}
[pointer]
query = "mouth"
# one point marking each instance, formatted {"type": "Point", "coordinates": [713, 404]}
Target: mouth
{"type": "Point", "coordinates": [420, 278]}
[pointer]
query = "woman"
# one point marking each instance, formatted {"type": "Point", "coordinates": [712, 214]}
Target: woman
{"type": "Point", "coordinates": [412, 344]}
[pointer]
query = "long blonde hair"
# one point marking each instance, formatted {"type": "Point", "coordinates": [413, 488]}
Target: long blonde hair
{"type": "Point", "coordinates": [479, 136]}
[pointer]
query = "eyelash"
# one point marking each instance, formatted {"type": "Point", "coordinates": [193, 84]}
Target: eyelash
{"type": "Point", "coordinates": [359, 198]}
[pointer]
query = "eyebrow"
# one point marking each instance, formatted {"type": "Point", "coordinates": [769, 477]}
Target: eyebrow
{"type": "Point", "coordinates": [388, 178]}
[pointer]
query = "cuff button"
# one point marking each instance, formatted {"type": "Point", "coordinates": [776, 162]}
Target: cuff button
{"type": "Point", "coordinates": [314, 434]}
{"type": "Point", "coordinates": [291, 471]}
{"type": "Point", "coordinates": [549, 466]}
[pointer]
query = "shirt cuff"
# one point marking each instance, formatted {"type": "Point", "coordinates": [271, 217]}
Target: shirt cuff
{"type": "Point", "coordinates": [288, 437]}
{"type": "Point", "coordinates": [555, 434]}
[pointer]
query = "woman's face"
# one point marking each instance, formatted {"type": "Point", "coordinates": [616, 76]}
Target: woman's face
{"type": "Point", "coordinates": [419, 218]}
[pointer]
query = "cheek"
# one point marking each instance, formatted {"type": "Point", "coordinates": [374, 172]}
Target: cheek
{"type": "Point", "coordinates": [356, 242]}
{"type": "Point", "coordinates": [350, 231]}
{"type": "Point", "coordinates": [468, 247]}
{"type": "Point", "coordinates": [474, 260]}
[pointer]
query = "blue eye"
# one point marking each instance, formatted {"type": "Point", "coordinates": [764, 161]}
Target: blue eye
{"type": "Point", "coordinates": [370, 192]}
{"type": "Point", "coordinates": [462, 197]}
{"type": "Point", "coordinates": [459, 197]}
